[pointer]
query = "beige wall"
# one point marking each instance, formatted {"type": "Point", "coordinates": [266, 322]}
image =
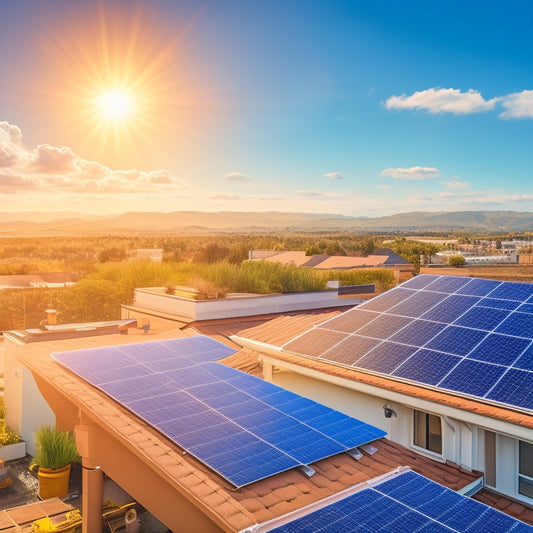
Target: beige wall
{"type": "Point", "coordinates": [26, 409]}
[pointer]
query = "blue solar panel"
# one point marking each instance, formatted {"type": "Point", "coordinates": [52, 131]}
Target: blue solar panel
{"type": "Point", "coordinates": [350, 349]}
{"type": "Point", "coordinates": [383, 326]}
{"type": "Point", "coordinates": [408, 502]}
{"type": "Point", "coordinates": [495, 303]}
{"type": "Point", "coordinates": [482, 318]}
{"type": "Point", "coordinates": [242, 427]}
{"type": "Point", "coordinates": [510, 290]}
{"type": "Point", "coordinates": [461, 377]}
{"type": "Point", "coordinates": [461, 334]}
{"type": "Point", "coordinates": [499, 349]}
{"type": "Point", "coordinates": [351, 322]}
{"type": "Point", "coordinates": [525, 361]}
{"type": "Point", "coordinates": [418, 332]}
{"type": "Point", "coordinates": [515, 388]}
{"type": "Point", "coordinates": [386, 300]}
{"type": "Point", "coordinates": [456, 340]}
{"type": "Point", "coordinates": [479, 287]}
{"type": "Point", "coordinates": [427, 366]}
{"type": "Point", "coordinates": [526, 308]}
{"type": "Point", "coordinates": [448, 310]}
{"type": "Point", "coordinates": [419, 282]}
{"type": "Point", "coordinates": [518, 324]}
{"type": "Point", "coordinates": [417, 304]}
{"type": "Point", "coordinates": [447, 284]}
{"type": "Point", "coordinates": [386, 357]}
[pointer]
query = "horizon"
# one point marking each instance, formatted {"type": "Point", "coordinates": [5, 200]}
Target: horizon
{"type": "Point", "coordinates": [346, 109]}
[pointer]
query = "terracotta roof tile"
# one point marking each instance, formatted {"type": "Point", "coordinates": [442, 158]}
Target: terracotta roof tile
{"type": "Point", "coordinates": [352, 262]}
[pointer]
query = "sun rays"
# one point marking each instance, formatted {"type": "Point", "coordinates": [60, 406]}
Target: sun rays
{"type": "Point", "coordinates": [120, 82]}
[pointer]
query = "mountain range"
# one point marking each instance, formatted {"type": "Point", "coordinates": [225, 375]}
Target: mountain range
{"type": "Point", "coordinates": [196, 222]}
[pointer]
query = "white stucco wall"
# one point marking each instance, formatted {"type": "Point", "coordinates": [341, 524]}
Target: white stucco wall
{"type": "Point", "coordinates": [245, 305]}
{"type": "Point", "coordinates": [26, 408]}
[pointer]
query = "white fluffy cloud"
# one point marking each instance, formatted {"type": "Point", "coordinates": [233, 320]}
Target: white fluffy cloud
{"type": "Point", "coordinates": [411, 173]}
{"type": "Point", "coordinates": [52, 169]}
{"type": "Point", "coordinates": [334, 176]}
{"type": "Point", "coordinates": [518, 105]}
{"type": "Point", "coordinates": [437, 100]}
{"type": "Point", "coordinates": [442, 101]}
{"type": "Point", "coordinates": [237, 177]}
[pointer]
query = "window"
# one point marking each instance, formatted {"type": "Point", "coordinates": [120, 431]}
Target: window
{"type": "Point", "coordinates": [490, 458]}
{"type": "Point", "coordinates": [428, 432]}
{"type": "Point", "coordinates": [525, 469]}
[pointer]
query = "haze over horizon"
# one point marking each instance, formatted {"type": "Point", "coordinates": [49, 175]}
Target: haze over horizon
{"type": "Point", "coordinates": [355, 108]}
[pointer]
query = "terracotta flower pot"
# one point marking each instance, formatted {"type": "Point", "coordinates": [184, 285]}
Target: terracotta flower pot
{"type": "Point", "coordinates": [53, 483]}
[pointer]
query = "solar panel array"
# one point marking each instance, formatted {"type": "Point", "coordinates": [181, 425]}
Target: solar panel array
{"type": "Point", "coordinates": [407, 502]}
{"type": "Point", "coordinates": [469, 336]}
{"type": "Point", "coordinates": [242, 427]}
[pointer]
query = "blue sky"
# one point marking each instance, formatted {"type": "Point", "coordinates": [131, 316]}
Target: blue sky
{"type": "Point", "coordinates": [362, 108]}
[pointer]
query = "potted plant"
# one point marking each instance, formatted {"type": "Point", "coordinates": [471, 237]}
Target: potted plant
{"type": "Point", "coordinates": [54, 452]}
{"type": "Point", "coordinates": [11, 445]}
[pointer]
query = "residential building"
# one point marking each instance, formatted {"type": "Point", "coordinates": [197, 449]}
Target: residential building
{"type": "Point", "coordinates": [442, 363]}
{"type": "Point", "coordinates": [182, 491]}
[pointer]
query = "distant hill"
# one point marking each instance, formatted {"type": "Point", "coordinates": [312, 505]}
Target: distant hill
{"type": "Point", "coordinates": [196, 222]}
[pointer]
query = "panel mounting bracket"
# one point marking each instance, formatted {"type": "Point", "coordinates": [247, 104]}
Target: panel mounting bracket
{"type": "Point", "coordinates": [307, 470]}
{"type": "Point", "coordinates": [368, 448]}
{"type": "Point", "coordinates": [355, 453]}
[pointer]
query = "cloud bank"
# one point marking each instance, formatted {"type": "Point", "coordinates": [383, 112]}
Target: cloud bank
{"type": "Point", "coordinates": [58, 169]}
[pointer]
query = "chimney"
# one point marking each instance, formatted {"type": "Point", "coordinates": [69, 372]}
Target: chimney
{"type": "Point", "coordinates": [51, 317]}
{"type": "Point", "coordinates": [144, 324]}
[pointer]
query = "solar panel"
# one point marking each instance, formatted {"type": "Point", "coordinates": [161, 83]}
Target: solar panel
{"type": "Point", "coordinates": [242, 427]}
{"type": "Point", "coordinates": [463, 335]}
{"type": "Point", "coordinates": [407, 502]}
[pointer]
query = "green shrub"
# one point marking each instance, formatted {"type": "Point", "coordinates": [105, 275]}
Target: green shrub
{"type": "Point", "coordinates": [54, 448]}
{"type": "Point", "coordinates": [7, 436]}
{"type": "Point", "coordinates": [456, 260]}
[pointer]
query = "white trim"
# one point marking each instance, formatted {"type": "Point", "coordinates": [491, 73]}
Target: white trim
{"type": "Point", "coordinates": [518, 475]}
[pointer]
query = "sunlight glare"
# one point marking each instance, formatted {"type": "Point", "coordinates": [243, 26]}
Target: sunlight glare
{"type": "Point", "coordinates": [115, 105]}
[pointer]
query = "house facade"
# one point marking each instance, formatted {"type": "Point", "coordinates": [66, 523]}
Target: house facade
{"type": "Point", "coordinates": [475, 432]}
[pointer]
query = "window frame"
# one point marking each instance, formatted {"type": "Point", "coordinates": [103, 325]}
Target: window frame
{"type": "Point", "coordinates": [417, 445]}
{"type": "Point", "coordinates": [521, 476]}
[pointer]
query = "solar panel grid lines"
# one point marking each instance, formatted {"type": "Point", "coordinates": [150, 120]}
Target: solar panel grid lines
{"type": "Point", "coordinates": [406, 502]}
{"type": "Point", "coordinates": [317, 341]}
{"type": "Point", "coordinates": [475, 325]}
{"type": "Point", "coordinates": [350, 349]}
{"type": "Point", "coordinates": [240, 426]}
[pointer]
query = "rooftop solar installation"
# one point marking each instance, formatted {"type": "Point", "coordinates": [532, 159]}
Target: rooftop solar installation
{"type": "Point", "coordinates": [242, 427]}
{"type": "Point", "coordinates": [468, 336]}
{"type": "Point", "coordinates": [407, 502]}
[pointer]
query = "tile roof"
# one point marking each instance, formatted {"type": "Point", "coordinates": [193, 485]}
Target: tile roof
{"type": "Point", "coordinates": [507, 505]}
{"type": "Point", "coordinates": [233, 509]}
{"type": "Point", "coordinates": [338, 261]}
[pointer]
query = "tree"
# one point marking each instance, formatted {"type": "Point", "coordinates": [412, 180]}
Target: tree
{"type": "Point", "coordinates": [456, 261]}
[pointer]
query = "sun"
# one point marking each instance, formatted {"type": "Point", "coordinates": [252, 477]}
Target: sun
{"type": "Point", "coordinates": [115, 105]}
{"type": "Point", "coordinates": [122, 85]}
